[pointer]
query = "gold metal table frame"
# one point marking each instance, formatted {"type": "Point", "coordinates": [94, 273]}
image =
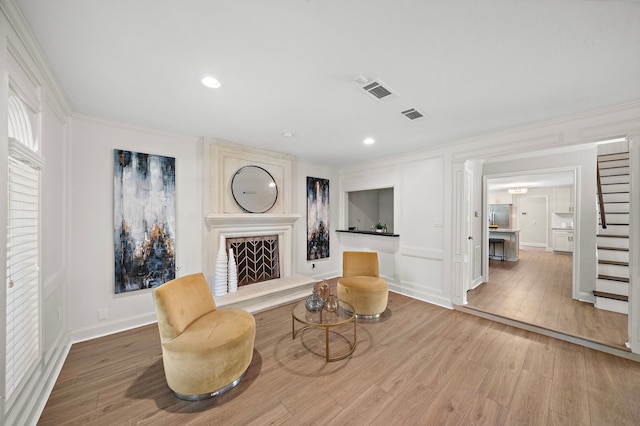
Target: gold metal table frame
{"type": "Point", "coordinates": [327, 320]}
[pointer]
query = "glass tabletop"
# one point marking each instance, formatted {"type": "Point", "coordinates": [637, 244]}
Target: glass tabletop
{"type": "Point", "coordinates": [344, 314]}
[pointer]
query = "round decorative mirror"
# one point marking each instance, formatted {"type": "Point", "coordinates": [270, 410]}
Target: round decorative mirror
{"type": "Point", "coordinates": [254, 189]}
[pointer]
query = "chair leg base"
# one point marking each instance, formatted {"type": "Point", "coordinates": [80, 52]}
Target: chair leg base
{"type": "Point", "coordinates": [374, 316]}
{"type": "Point", "coordinates": [214, 393]}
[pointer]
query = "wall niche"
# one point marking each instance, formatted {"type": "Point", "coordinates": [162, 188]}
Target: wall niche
{"type": "Point", "coordinates": [368, 207]}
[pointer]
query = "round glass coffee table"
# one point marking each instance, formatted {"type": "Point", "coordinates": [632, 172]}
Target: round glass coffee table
{"type": "Point", "coordinates": [327, 320]}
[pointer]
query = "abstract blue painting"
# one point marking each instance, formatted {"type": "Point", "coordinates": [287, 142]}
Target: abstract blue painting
{"type": "Point", "coordinates": [317, 218]}
{"type": "Point", "coordinates": [143, 220]}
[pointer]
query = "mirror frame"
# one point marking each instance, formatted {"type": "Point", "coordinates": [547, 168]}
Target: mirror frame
{"type": "Point", "coordinates": [240, 192]}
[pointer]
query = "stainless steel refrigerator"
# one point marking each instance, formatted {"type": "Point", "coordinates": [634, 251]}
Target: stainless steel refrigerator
{"type": "Point", "coordinates": [500, 214]}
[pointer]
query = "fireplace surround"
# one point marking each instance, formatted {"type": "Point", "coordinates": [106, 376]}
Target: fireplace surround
{"type": "Point", "coordinates": [238, 225]}
{"type": "Point", "coordinates": [225, 219]}
{"type": "Point", "coordinates": [265, 294]}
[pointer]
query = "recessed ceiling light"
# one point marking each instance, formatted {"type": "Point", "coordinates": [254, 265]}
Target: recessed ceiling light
{"type": "Point", "coordinates": [369, 141]}
{"type": "Point", "coordinates": [211, 82]}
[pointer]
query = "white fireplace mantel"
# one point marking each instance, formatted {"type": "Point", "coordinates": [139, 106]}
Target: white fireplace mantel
{"type": "Point", "coordinates": [249, 220]}
{"type": "Point", "coordinates": [266, 294]}
{"type": "Point", "coordinates": [234, 225]}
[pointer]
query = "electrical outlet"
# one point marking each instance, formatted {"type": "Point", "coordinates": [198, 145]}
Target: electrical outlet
{"type": "Point", "coordinates": [438, 223]}
{"type": "Point", "coordinates": [103, 314]}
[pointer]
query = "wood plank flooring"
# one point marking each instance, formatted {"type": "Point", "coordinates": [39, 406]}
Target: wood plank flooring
{"type": "Point", "coordinates": [419, 364]}
{"type": "Point", "coordinates": [537, 290]}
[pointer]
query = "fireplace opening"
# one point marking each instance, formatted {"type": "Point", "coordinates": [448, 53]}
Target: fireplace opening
{"type": "Point", "coordinates": [257, 258]}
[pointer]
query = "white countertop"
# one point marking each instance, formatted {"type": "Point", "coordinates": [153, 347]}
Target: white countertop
{"type": "Point", "coordinates": [503, 230]}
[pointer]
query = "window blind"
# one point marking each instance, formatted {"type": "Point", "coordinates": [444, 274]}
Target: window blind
{"type": "Point", "coordinates": [23, 311]}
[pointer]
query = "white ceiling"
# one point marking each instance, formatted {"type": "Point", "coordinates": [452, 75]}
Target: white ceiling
{"type": "Point", "coordinates": [474, 67]}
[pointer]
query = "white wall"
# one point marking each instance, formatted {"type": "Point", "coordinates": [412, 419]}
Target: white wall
{"type": "Point", "coordinates": [90, 283]}
{"type": "Point", "coordinates": [54, 227]}
{"type": "Point", "coordinates": [413, 264]}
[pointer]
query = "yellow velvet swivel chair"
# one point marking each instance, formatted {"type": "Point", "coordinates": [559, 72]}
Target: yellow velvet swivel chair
{"type": "Point", "coordinates": [205, 351]}
{"type": "Point", "coordinates": [361, 285]}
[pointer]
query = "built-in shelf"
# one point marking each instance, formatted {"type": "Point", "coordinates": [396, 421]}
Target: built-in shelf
{"type": "Point", "coordinates": [381, 234]}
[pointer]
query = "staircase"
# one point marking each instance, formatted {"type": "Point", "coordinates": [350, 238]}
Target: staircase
{"type": "Point", "coordinates": [612, 284]}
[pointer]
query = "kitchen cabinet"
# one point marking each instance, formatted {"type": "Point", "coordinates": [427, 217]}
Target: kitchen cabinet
{"type": "Point", "coordinates": [563, 200]}
{"type": "Point", "coordinates": [563, 241]}
{"type": "Point", "coordinates": [500, 197]}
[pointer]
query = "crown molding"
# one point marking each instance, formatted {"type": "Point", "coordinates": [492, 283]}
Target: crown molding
{"type": "Point", "coordinates": [133, 127]}
{"type": "Point", "coordinates": [26, 37]}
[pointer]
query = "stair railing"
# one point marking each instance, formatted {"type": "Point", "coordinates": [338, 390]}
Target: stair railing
{"type": "Point", "coordinates": [603, 217]}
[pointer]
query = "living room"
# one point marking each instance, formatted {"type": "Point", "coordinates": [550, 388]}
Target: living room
{"type": "Point", "coordinates": [428, 262]}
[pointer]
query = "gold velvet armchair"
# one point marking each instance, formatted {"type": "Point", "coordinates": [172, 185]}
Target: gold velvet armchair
{"type": "Point", "coordinates": [361, 285]}
{"type": "Point", "coordinates": [205, 351]}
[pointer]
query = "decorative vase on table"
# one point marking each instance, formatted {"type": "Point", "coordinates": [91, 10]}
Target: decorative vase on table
{"type": "Point", "coordinates": [233, 273]}
{"type": "Point", "coordinates": [323, 290]}
{"type": "Point", "coordinates": [331, 304]}
{"type": "Point", "coordinates": [314, 302]}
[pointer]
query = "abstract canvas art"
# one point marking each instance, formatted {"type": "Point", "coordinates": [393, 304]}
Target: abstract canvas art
{"type": "Point", "coordinates": [317, 218]}
{"type": "Point", "coordinates": [143, 220]}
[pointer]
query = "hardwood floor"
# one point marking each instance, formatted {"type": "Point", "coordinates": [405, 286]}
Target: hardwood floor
{"type": "Point", "coordinates": [537, 290]}
{"type": "Point", "coordinates": [419, 364]}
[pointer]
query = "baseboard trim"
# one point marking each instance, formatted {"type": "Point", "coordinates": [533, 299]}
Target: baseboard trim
{"type": "Point", "coordinates": [422, 296]}
{"type": "Point", "coordinates": [476, 283]}
{"type": "Point", "coordinates": [612, 305]}
{"type": "Point", "coordinates": [111, 327]}
{"type": "Point", "coordinates": [50, 376]}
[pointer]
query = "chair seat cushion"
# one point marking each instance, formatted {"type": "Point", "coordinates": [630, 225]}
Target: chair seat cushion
{"type": "Point", "coordinates": [367, 295]}
{"type": "Point", "coordinates": [219, 343]}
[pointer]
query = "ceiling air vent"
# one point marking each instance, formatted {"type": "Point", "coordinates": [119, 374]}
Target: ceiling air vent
{"type": "Point", "coordinates": [378, 90]}
{"type": "Point", "coordinates": [412, 114]}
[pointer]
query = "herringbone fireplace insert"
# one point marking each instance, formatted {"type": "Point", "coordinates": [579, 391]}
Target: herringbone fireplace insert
{"type": "Point", "coordinates": [257, 258]}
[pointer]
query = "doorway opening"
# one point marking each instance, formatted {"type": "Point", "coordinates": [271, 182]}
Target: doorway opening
{"type": "Point", "coordinates": [536, 283]}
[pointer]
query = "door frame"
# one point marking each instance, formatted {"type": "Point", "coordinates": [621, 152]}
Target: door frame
{"type": "Point", "coordinates": [575, 272]}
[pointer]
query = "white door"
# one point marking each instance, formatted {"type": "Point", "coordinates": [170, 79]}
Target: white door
{"type": "Point", "coordinates": [468, 183]}
{"type": "Point", "coordinates": [463, 232]}
{"type": "Point", "coordinates": [532, 220]}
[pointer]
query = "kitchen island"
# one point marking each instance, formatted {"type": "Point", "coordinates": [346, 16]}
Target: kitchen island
{"type": "Point", "coordinates": [511, 240]}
